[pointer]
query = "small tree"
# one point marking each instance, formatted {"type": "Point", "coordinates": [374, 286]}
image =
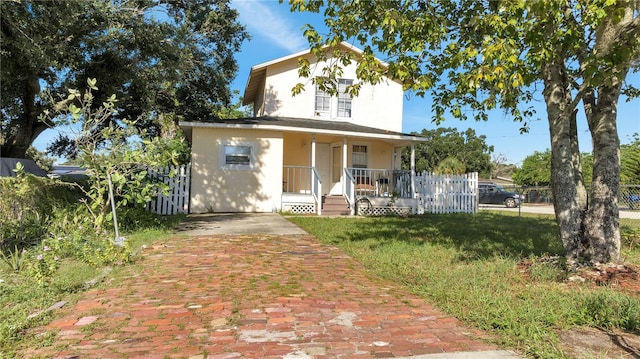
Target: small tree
{"type": "Point", "coordinates": [450, 166]}
{"type": "Point", "coordinates": [535, 170]}
{"type": "Point", "coordinates": [118, 152]}
{"type": "Point", "coordinates": [468, 148]}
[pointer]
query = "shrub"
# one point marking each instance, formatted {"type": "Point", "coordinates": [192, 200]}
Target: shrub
{"type": "Point", "coordinates": [25, 204]}
{"type": "Point", "coordinates": [42, 264]}
{"type": "Point", "coordinates": [630, 238]}
{"type": "Point", "coordinates": [13, 258]}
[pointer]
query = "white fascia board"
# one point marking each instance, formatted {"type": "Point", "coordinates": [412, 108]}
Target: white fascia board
{"type": "Point", "coordinates": [302, 129]}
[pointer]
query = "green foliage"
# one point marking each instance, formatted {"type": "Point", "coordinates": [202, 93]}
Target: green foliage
{"type": "Point", "coordinates": [450, 166]}
{"type": "Point", "coordinates": [41, 159]}
{"type": "Point", "coordinates": [42, 264]}
{"type": "Point", "coordinates": [160, 58]}
{"type": "Point", "coordinates": [117, 155]}
{"type": "Point", "coordinates": [630, 238]}
{"type": "Point", "coordinates": [630, 161]}
{"type": "Point", "coordinates": [536, 169]}
{"type": "Point", "coordinates": [13, 258]}
{"type": "Point", "coordinates": [608, 309]}
{"type": "Point", "coordinates": [468, 148]}
{"type": "Point", "coordinates": [235, 110]}
{"type": "Point", "coordinates": [25, 202]}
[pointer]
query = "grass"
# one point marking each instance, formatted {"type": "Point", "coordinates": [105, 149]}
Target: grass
{"type": "Point", "coordinates": [22, 298]}
{"type": "Point", "coordinates": [467, 265]}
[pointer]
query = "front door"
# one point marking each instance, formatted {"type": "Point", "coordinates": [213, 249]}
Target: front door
{"type": "Point", "coordinates": [336, 169]}
{"type": "Point", "coordinates": [323, 165]}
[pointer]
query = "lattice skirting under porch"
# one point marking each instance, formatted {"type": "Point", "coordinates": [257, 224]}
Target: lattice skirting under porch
{"type": "Point", "coordinates": [299, 208]}
{"type": "Point", "coordinates": [383, 211]}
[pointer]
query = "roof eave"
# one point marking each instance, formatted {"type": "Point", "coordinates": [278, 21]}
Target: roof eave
{"type": "Point", "coordinates": [192, 124]}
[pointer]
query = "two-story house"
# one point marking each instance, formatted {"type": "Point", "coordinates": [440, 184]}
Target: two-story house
{"type": "Point", "coordinates": [303, 153]}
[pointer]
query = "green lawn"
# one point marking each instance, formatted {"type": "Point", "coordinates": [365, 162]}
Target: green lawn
{"type": "Point", "coordinates": [467, 265]}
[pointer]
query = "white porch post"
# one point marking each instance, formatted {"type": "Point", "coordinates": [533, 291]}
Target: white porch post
{"type": "Point", "coordinates": [344, 164]}
{"type": "Point", "coordinates": [413, 173]}
{"type": "Point", "coordinates": [313, 159]}
{"type": "Point", "coordinates": [313, 150]}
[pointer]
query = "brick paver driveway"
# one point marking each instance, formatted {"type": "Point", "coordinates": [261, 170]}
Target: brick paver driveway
{"type": "Point", "coordinates": [253, 297]}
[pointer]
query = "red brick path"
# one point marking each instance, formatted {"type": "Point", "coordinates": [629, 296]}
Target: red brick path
{"type": "Point", "coordinates": [253, 297]}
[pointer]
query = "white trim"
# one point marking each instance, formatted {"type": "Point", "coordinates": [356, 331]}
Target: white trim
{"type": "Point", "coordinates": [308, 52]}
{"type": "Point", "coordinates": [302, 129]}
{"type": "Point", "coordinates": [367, 146]}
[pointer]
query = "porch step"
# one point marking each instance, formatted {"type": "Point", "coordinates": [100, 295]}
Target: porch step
{"type": "Point", "coordinates": [335, 206]}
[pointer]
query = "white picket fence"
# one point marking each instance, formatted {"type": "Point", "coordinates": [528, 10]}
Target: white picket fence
{"type": "Point", "coordinates": [178, 199]}
{"type": "Point", "coordinates": [447, 193]}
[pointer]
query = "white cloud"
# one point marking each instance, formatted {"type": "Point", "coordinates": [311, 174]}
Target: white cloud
{"type": "Point", "coordinates": [261, 20]}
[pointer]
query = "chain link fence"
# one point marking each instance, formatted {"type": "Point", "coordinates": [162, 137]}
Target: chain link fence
{"type": "Point", "coordinates": [628, 200]}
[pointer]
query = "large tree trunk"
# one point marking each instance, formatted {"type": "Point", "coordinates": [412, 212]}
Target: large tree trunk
{"type": "Point", "coordinates": [602, 227]}
{"type": "Point", "coordinates": [23, 130]}
{"type": "Point", "coordinates": [567, 185]}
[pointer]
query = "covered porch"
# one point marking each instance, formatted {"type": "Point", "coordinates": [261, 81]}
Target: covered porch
{"type": "Point", "coordinates": [347, 175]}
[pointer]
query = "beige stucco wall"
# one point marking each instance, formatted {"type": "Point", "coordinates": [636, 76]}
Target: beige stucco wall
{"type": "Point", "coordinates": [377, 106]}
{"type": "Point", "coordinates": [297, 150]}
{"type": "Point", "coordinates": [217, 189]}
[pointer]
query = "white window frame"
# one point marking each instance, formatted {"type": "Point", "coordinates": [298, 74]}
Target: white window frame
{"type": "Point", "coordinates": [367, 152]}
{"type": "Point", "coordinates": [229, 144]}
{"type": "Point", "coordinates": [334, 101]}
{"type": "Point", "coordinates": [344, 97]}
{"type": "Point", "coordinates": [324, 96]}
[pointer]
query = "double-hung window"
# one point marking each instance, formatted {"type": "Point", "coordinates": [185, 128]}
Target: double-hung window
{"type": "Point", "coordinates": [359, 156]}
{"type": "Point", "coordinates": [323, 101]}
{"type": "Point", "coordinates": [344, 98]}
{"type": "Point", "coordinates": [334, 106]}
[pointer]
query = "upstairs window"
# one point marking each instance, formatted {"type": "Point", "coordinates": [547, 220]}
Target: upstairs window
{"type": "Point", "coordinates": [344, 98]}
{"type": "Point", "coordinates": [323, 101]}
{"type": "Point", "coordinates": [337, 106]}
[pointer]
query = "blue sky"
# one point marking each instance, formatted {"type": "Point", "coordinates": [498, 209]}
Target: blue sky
{"type": "Point", "coordinates": [277, 32]}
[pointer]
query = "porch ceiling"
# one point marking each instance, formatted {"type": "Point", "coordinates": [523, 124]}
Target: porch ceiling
{"type": "Point", "coordinates": [305, 125]}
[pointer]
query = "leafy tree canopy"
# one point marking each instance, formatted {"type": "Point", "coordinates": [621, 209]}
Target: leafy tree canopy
{"type": "Point", "coordinates": [158, 57]}
{"type": "Point", "coordinates": [469, 149]}
{"type": "Point", "coordinates": [535, 170]}
{"type": "Point", "coordinates": [450, 166]}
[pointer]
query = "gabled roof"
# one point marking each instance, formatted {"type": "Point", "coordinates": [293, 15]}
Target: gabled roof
{"type": "Point", "coordinates": [301, 125]}
{"type": "Point", "coordinates": [258, 72]}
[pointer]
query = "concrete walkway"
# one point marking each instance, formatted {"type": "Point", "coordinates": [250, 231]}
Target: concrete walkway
{"type": "Point", "coordinates": [256, 296]}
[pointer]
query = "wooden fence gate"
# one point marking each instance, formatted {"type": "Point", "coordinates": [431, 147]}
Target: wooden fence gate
{"type": "Point", "coordinates": [447, 193]}
{"type": "Point", "coordinates": [178, 199]}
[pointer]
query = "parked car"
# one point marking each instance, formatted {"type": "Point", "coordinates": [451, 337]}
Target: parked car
{"type": "Point", "coordinates": [491, 193]}
{"type": "Point", "coordinates": [632, 200]}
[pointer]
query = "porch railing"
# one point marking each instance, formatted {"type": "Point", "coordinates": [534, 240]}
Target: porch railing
{"type": "Point", "coordinates": [303, 180]}
{"type": "Point", "coordinates": [380, 182]}
{"type": "Point", "coordinates": [316, 189]}
{"type": "Point", "coordinates": [296, 179]}
{"type": "Point", "coordinates": [349, 190]}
